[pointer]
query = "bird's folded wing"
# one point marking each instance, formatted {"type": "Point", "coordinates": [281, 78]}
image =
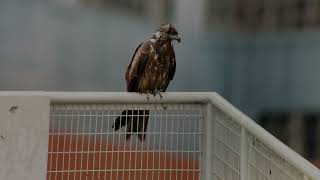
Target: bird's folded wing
{"type": "Point", "coordinates": [137, 66]}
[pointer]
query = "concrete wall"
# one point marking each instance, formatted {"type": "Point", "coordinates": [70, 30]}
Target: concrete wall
{"type": "Point", "coordinates": [24, 123]}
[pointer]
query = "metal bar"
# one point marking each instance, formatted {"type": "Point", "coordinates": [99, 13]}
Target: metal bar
{"type": "Point", "coordinates": [130, 148]}
{"type": "Point", "coordinates": [182, 138]}
{"type": "Point", "coordinates": [124, 151]}
{"type": "Point", "coordinates": [194, 144]}
{"type": "Point", "coordinates": [82, 149]}
{"type": "Point", "coordinates": [207, 143]}
{"type": "Point", "coordinates": [58, 144]}
{"type": "Point", "coordinates": [153, 149]}
{"type": "Point", "coordinates": [127, 170]}
{"type": "Point", "coordinates": [118, 157]}
{"type": "Point", "coordinates": [88, 149]}
{"type": "Point", "coordinates": [77, 139]}
{"type": "Point", "coordinates": [64, 144]}
{"type": "Point", "coordinates": [159, 118]}
{"type": "Point", "coordinates": [189, 145]}
{"type": "Point", "coordinates": [106, 146]}
{"type": "Point", "coordinates": [52, 144]}
{"type": "Point", "coordinates": [136, 147]}
{"type": "Point", "coordinates": [171, 149]}
{"type": "Point", "coordinates": [128, 98]}
{"type": "Point", "coordinates": [201, 140]}
{"type": "Point", "coordinates": [100, 144]}
{"type": "Point", "coordinates": [148, 148]}
{"type": "Point", "coordinates": [244, 155]}
{"type": "Point", "coordinates": [95, 141]}
{"type": "Point", "coordinates": [141, 149]}
{"type": "Point", "coordinates": [70, 144]}
{"type": "Point", "coordinates": [177, 147]}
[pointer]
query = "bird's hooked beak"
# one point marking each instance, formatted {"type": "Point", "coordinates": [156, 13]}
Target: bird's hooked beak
{"type": "Point", "coordinates": [175, 37]}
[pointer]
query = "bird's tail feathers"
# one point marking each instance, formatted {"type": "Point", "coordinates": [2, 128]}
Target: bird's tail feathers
{"type": "Point", "coordinates": [120, 121]}
{"type": "Point", "coordinates": [136, 121]}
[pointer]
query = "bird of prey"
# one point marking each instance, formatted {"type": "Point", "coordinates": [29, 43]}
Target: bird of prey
{"type": "Point", "coordinates": [152, 67]}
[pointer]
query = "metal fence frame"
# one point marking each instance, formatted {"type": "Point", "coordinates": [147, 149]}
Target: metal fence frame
{"type": "Point", "coordinates": [212, 100]}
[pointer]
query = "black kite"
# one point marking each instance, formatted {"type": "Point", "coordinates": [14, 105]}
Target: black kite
{"type": "Point", "coordinates": [152, 67]}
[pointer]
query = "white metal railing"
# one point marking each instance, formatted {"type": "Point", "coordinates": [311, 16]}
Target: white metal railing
{"type": "Point", "coordinates": [190, 136]}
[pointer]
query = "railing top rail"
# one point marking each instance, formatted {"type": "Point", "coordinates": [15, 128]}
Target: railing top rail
{"type": "Point", "coordinates": [182, 97]}
{"type": "Point", "coordinates": [115, 97]}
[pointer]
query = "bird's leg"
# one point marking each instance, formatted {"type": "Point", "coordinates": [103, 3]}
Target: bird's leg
{"type": "Point", "coordinates": [148, 98]}
{"type": "Point", "coordinates": [154, 93]}
{"type": "Point", "coordinates": [158, 92]}
{"type": "Point", "coordinates": [162, 105]}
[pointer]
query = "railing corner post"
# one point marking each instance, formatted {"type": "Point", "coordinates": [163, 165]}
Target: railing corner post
{"type": "Point", "coordinates": [244, 155]}
{"type": "Point", "coordinates": [207, 143]}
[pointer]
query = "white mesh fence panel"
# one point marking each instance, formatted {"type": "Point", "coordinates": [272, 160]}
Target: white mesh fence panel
{"type": "Point", "coordinates": [265, 164]}
{"type": "Point", "coordinates": [226, 148]}
{"type": "Point", "coordinates": [262, 162]}
{"type": "Point", "coordinates": [83, 145]}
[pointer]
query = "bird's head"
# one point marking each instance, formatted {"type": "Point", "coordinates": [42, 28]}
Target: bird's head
{"type": "Point", "coordinates": [167, 32]}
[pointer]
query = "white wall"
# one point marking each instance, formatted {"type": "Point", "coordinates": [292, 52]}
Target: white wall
{"type": "Point", "coordinates": [24, 124]}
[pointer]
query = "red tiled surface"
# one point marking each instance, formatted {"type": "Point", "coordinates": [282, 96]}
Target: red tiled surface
{"type": "Point", "coordinates": [73, 164]}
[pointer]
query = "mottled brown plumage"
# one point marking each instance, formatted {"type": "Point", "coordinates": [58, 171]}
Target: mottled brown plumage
{"type": "Point", "coordinates": [151, 69]}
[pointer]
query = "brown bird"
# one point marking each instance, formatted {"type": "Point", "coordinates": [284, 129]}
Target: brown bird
{"type": "Point", "coordinates": [152, 67]}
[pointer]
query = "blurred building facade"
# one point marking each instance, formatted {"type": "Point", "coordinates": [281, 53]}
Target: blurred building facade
{"type": "Point", "coordinates": [264, 15]}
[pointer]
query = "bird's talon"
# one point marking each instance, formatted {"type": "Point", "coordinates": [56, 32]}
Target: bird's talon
{"type": "Point", "coordinates": [163, 106]}
{"type": "Point", "coordinates": [148, 97]}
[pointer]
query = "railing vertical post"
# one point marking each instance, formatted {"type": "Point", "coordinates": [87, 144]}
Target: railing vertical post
{"type": "Point", "coordinates": [244, 155]}
{"type": "Point", "coordinates": [207, 143]}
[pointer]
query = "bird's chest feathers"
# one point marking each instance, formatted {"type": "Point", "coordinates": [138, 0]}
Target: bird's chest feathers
{"type": "Point", "coordinates": [157, 71]}
{"type": "Point", "coordinates": [162, 57]}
